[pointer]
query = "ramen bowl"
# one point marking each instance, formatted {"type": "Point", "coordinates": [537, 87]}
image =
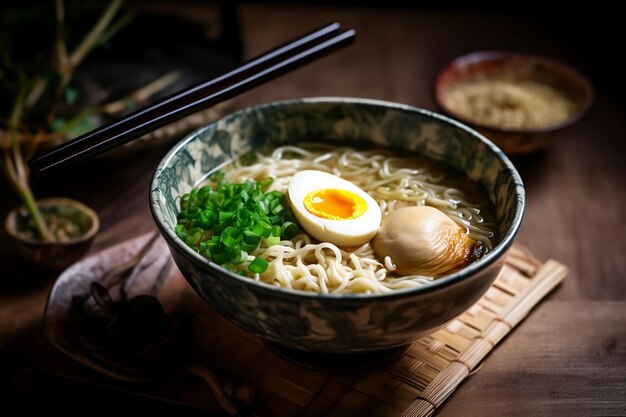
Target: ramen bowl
{"type": "Point", "coordinates": [323, 323]}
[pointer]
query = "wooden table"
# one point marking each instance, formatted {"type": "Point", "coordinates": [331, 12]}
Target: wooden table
{"type": "Point", "coordinates": [569, 356]}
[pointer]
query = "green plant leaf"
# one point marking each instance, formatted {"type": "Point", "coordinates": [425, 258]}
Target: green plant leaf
{"type": "Point", "coordinates": [71, 95]}
{"type": "Point", "coordinates": [57, 124]}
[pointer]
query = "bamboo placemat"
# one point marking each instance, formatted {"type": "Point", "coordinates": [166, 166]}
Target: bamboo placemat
{"type": "Point", "coordinates": [419, 382]}
{"type": "Point", "coordinates": [242, 374]}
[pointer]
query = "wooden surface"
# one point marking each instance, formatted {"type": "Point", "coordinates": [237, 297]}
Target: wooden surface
{"type": "Point", "coordinates": [566, 358]}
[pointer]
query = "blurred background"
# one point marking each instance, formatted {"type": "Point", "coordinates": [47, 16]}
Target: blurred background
{"type": "Point", "coordinates": [398, 54]}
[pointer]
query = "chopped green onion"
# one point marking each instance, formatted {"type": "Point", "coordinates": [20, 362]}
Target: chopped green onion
{"type": "Point", "coordinates": [249, 247]}
{"type": "Point", "coordinates": [275, 194]}
{"type": "Point", "coordinates": [193, 236]}
{"type": "Point", "coordinates": [251, 237]}
{"type": "Point", "coordinates": [258, 265]}
{"type": "Point", "coordinates": [273, 204]}
{"type": "Point", "coordinates": [231, 236]}
{"type": "Point", "coordinates": [225, 216]}
{"type": "Point", "coordinates": [181, 231]}
{"type": "Point", "coordinates": [193, 212]}
{"type": "Point", "coordinates": [266, 182]}
{"type": "Point", "coordinates": [227, 222]}
{"type": "Point", "coordinates": [262, 229]}
{"type": "Point", "coordinates": [273, 240]}
{"type": "Point", "coordinates": [289, 230]}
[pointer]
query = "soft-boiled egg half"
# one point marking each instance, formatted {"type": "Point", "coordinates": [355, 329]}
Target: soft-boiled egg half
{"type": "Point", "coordinates": [332, 209]}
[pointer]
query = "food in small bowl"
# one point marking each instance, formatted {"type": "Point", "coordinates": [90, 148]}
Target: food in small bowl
{"type": "Point", "coordinates": [72, 224]}
{"type": "Point", "coordinates": [337, 225]}
{"type": "Point", "coordinates": [521, 102]}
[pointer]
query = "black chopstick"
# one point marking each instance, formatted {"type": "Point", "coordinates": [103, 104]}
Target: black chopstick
{"type": "Point", "coordinates": [187, 96]}
{"type": "Point", "coordinates": [257, 71]}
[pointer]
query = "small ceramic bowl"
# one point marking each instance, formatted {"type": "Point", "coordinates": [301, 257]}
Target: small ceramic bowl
{"type": "Point", "coordinates": [545, 72]}
{"type": "Point", "coordinates": [337, 323]}
{"type": "Point", "coordinates": [54, 255]}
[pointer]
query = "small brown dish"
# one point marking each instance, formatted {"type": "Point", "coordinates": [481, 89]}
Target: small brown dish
{"type": "Point", "coordinates": [59, 254]}
{"type": "Point", "coordinates": [521, 102]}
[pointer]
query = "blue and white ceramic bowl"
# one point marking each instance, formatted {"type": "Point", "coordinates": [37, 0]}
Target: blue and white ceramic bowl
{"type": "Point", "coordinates": [337, 323]}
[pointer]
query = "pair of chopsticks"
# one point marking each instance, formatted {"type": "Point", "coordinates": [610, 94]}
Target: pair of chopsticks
{"type": "Point", "coordinates": [268, 66]}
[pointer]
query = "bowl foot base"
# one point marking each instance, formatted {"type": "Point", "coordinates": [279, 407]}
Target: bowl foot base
{"type": "Point", "coordinates": [339, 362]}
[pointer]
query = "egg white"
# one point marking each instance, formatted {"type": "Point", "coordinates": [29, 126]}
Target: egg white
{"type": "Point", "coordinates": [353, 232]}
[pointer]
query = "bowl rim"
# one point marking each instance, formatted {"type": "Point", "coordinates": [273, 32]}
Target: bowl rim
{"type": "Point", "coordinates": [490, 55]}
{"type": "Point", "coordinates": [287, 293]}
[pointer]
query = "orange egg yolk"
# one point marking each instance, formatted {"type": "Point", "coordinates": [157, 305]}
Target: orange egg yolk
{"type": "Point", "coordinates": [333, 204]}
